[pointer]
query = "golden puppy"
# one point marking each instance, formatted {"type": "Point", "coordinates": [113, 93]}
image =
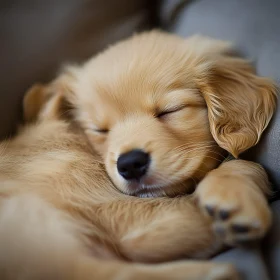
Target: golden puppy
{"type": "Point", "coordinates": [61, 217]}
{"type": "Point", "coordinates": [169, 105]}
{"type": "Point", "coordinates": [164, 111]}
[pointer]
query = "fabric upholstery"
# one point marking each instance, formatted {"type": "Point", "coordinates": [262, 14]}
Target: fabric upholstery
{"type": "Point", "coordinates": [271, 245]}
{"type": "Point", "coordinates": [249, 263]}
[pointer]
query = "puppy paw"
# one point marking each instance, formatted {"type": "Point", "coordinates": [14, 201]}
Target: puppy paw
{"type": "Point", "coordinates": [237, 208]}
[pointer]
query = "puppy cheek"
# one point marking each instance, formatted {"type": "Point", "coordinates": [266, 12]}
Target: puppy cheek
{"type": "Point", "coordinates": [111, 168]}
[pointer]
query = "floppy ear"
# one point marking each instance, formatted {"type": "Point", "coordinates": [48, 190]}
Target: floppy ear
{"type": "Point", "coordinates": [240, 103]}
{"type": "Point", "coordinates": [43, 102]}
{"type": "Point", "coordinates": [33, 101]}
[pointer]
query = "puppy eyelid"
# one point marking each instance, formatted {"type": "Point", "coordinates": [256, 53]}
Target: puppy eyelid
{"type": "Point", "coordinates": [101, 131]}
{"type": "Point", "coordinates": [170, 111]}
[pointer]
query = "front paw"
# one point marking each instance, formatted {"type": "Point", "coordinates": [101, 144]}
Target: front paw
{"type": "Point", "coordinates": [237, 208]}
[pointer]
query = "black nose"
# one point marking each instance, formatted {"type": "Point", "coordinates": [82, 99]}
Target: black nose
{"type": "Point", "coordinates": [133, 165]}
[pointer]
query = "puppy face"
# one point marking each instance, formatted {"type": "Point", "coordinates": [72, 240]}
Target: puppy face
{"type": "Point", "coordinates": [157, 141]}
{"type": "Point", "coordinates": [160, 109]}
{"type": "Point", "coordinates": [142, 110]}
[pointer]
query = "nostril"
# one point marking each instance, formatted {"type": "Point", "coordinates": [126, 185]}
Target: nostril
{"type": "Point", "coordinates": [138, 164]}
{"type": "Point", "coordinates": [122, 169]}
{"type": "Point", "coordinates": [133, 165]}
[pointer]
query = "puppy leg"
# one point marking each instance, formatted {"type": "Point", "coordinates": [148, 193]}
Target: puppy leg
{"type": "Point", "coordinates": [233, 196]}
{"type": "Point", "coordinates": [36, 240]}
{"type": "Point", "coordinates": [183, 270]}
{"type": "Point", "coordinates": [157, 230]}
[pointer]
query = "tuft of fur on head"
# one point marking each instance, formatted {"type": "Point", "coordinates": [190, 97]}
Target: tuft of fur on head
{"type": "Point", "coordinates": [183, 101]}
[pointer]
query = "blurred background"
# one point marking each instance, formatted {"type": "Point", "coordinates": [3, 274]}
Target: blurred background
{"type": "Point", "coordinates": [37, 36]}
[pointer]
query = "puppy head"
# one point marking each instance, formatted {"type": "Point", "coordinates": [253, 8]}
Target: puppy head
{"type": "Point", "coordinates": [161, 110]}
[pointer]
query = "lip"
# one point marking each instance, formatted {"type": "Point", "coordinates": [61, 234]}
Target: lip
{"type": "Point", "coordinates": [149, 191]}
{"type": "Point", "coordinates": [151, 187]}
{"type": "Point", "coordinates": [146, 193]}
{"type": "Point", "coordinates": [142, 189]}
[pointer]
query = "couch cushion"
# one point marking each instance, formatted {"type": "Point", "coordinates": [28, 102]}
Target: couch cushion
{"type": "Point", "coordinates": [271, 245]}
{"type": "Point", "coordinates": [249, 263]}
{"type": "Point", "coordinates": [38, 35]}
{"type": "Point", "coordinates": [253, 26]}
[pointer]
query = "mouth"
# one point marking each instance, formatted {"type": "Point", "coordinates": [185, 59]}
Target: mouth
{"type": "Point", "coordinates": [153, 188]}
{"type": "Point", "coordinates": [140, 189]}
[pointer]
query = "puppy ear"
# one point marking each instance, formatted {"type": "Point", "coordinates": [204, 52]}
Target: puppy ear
{"type": "Point", "coordinates": [240, 103]}
{"type": "Point", "coordinates": [33, 101]}
{"type": "Point", "coordinates": [42, 102]}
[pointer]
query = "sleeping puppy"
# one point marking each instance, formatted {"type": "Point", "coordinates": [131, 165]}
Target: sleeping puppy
{"type": "Point", "coordinates": [163, 112]}
{"type": "Point", "coordinates": [61, 218]}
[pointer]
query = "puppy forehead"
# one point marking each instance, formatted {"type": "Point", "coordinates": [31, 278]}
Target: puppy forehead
{"type": "Point", "coordinates": [135, 75]}
{"type": "Point", "coordinates": [138, 85]}
{"type": "Point", "coordinates": [127, 96]}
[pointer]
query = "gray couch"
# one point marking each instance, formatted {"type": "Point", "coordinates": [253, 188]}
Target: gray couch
{"type": "Point", "coordinates": [38, 35]}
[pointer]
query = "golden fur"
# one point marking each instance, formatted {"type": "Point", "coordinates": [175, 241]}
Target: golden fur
{"type": "Point", "coordinates": [62, 218]}
{"type": "Point", "coordinates": [186, 102]}
{"type": "Point", "coordinates": [118, 97]}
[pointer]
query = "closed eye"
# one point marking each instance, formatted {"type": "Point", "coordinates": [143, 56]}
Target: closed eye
{"type": "Point", "coordinates": [170, 111]}
{"type": "Point", "coordinates": [101, 131]}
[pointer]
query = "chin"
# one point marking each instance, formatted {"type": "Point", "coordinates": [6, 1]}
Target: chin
{"type": "Point", "coordinates": [159, 189]}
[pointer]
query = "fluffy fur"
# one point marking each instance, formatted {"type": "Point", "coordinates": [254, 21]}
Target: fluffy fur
{"type": "Point", "coordinates": [217, 102]}
{"type": "Point", "coordinates": [185, 102]}
{"type": "Point", "coordinates": [62, 218]}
